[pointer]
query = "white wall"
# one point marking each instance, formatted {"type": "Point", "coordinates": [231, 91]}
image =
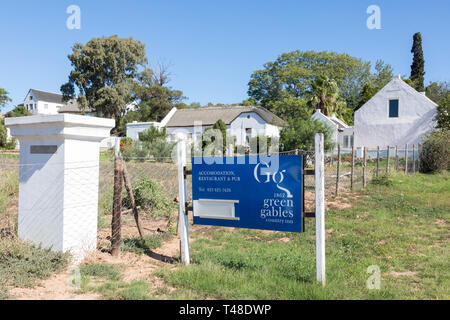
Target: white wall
{"type": "Point", "coordinates": [321, 117]}
{"type": "Point", "coordinates": [374, 127]}
{"type": "Point", "coordinates": [255, 122]}
{"type": "Point", "coordinates": [40, 107]}
{"type": "Point", "coordinates": [133, 129]}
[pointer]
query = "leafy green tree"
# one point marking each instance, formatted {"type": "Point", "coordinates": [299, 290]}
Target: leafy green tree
{"type": "Point", "coordinates": [418, 64]}
{"type": "Point", "coordinates": [19, 111]}
{"type": "Point", "coordinates": [104, 70]}
{"type": "Point", "coordinates": [438, 91]}
{"type": "Point", "coordinates": [222, 127]}
{"type": "Point", "coordinates": [443, 113]}
{"type": "Point", "coordinates": [300, 135]}
{"type": "Point", "coordinates": [383, 74]}
{"type": "Point", "coordinates": [4, 98]}
{"type": "Point", "coordinates": [3, 138]}
{"type": "Point", "coordinates": [287, 80]}
{"type": "Point", "coordinates": [152, 134]}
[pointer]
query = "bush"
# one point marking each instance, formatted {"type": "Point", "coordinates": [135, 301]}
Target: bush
{"type": "Point", "coordinates": [151, 196]}
{"type": "Point", "coordinates": [2, 135]}
{"type": "Point", "coordinates": [435, 153]}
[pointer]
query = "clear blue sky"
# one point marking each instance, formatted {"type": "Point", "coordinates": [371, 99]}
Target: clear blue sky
{"type": "Point", "coordinates": [214, 46]}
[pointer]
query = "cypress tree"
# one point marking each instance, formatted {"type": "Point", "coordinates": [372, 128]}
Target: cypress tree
{"type": "Point", "coordinates": [418, 64]}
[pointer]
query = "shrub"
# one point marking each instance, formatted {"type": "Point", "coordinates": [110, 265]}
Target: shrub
{"type": "Point", "coordinates": [151, 196]}
{"type": "Point", "coordinates": [435, 153]}
{"type": "Point", "coordinates": [2, 134]}
{"type": "Point", "coordinates": [383, 180]}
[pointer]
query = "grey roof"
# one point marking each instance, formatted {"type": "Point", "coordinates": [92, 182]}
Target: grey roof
{"type": "Point", "coordinates": [70, 106]}
{"type": "Point", "coordinates": [47, 96]}
{"type": "Point", "coordinates": [209, 115]}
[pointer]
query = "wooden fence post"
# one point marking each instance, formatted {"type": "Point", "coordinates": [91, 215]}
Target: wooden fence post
{"type": "Point", "coordinates": [396, 158]}
{"type": "Point", "coordinates": [353, 168]}
{"type": "Point", "coordinates": [414, 159]}
{"type": "Point", "coordinates": [378, 159]}
{"type": "Point", "coordinates": [388, 158]}
{"type": "Point", "coordinates": [406, 159]}
{"type": "Point", "coordinates": [338, 172]}
{"type": "Point", "coordinates": [320, 208]}
{"type": "Point", "coordinates": [419, 151]}
{"type": "Point", "coordinates": [364, 167]}
{"type": "Point", "coordinates": [116, 228]}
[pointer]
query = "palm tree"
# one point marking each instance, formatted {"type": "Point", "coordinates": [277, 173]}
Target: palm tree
{"type": "Point", "coordinates": [325, 95]}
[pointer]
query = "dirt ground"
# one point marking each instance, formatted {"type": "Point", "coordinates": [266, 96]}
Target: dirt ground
{"type": "Point", "coordinates": [138, 267]}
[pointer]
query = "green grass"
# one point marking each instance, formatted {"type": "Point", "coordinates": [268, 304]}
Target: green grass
{"type": "Point", "coordinates": [399, 223]}
{"type": "Point", "coordinates": [22, 264]}
{"type": "Point", "coordinates": [106, 279]}
{"type": "Point", "coordinates": [150, 242]}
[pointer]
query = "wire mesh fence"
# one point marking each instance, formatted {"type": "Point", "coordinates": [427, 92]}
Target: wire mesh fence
{"type": "Point", "coordinates": [148, 192]}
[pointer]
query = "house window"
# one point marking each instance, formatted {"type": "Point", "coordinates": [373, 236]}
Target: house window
{"type": "Point", "coordinates": [248, 134]}
{"type": "Point", "coordinates": [345, 141]}
{"type": "Point", "coordinates": [46, 106]}
{"type": "Point", "coordinates": [393, 108]}
{"type": "Point", "coordinates": [31, 98]}
{"type": "Point", "coordinates": [351, 141]}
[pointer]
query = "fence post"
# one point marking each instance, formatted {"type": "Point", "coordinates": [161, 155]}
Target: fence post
{"type": "Point", "coordinates": [378, 159]}
{"type": "Point", "coordinates": [396, 159]}
{"type": "Point", "coordinates": [414, 159]}
{"type": "Point", "coordinates": [364, 166]}
{"type": "Point", "coordinates": [338, 172]}
{"type": "Point", "coordinates": [406, 159]}
{"type": "Point", "coordinates": [320, 208]}
{"type": "Point", "coordinates": [419, 150]}
{"type": "Point", "coordinates": [116, 228]}
{"type": "Point", "coordinates": [353, 168]}
{"type": "Point", "coordinates": [183, 215]}
{"type": "Point", "coordinates": [388, 158]}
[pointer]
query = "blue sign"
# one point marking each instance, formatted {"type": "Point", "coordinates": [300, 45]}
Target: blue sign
{"type": "Point", "coordinates": [242, 192]}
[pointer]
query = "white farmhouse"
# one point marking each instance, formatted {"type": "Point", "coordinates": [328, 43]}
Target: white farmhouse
{"type": "Point", "coordinates": [243, 122]}
{"type": "Point", "coordinates": [342, 133]}
{"type": "Point", "coordinates": [396, 115]}
{"type": "Point", "coordinates": [42, 102]}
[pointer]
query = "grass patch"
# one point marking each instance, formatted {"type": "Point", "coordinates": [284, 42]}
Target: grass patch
{"type": "Point", "coordinates": [150, 242]}
{"type": "Point", "coordinates": [22, 264]}
{"type": "Point", "coordinates": [106, 279]}
{"type": "Point", "coordinates": [399, 224]}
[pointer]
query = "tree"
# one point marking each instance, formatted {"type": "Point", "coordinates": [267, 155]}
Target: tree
{"type": "Point", "coordinates": [19, 111]}
{"type": "Point", "coordinates": [152, 90]}
{"type": "Point", "coordinates": [438, 91]}
{"type": "Point", "coordinates": [222, 127]}
{"type": "Point", "coordinates": [104, 70]}
{"type": "Point", "coordinates": [418, 64]}
{"type": "Point", "coordinates": [4, 99]}
{"type": "Point", "coordinates": [152, 134]}
{"type": "Point", "coordinates": [383, 74]}
{"type": "Point", "coordinates": [443, 113]}
{"type": "Point", "coordinates": [300, 135]}
{"type": "Point", "coordinates": [282, 85]}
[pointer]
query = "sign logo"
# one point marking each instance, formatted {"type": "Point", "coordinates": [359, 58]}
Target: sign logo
{"type": "Point", "coordinates": [274, 176]}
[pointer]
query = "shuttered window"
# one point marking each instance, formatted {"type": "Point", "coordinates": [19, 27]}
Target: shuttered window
{"type": "Point", "coordinates": [393, 108]}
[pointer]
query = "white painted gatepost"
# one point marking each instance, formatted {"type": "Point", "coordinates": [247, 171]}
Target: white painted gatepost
{"type": "Point", "coordinates": [58, 179]}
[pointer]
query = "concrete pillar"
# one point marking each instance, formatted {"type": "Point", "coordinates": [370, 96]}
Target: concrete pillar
{"type": "Point", "coordinates": [58, 179]}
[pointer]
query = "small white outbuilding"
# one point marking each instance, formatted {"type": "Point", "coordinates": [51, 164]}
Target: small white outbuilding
{"type": "Point", "coordinates": [396, 115]}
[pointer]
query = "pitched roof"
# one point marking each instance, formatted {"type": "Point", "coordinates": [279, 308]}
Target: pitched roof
{"type": "Point", "coordinates": [70, 106]}
{"type": "Point", "coordinates": [48, 96]}
{"type": "Point", "coordinates": [210, 115]}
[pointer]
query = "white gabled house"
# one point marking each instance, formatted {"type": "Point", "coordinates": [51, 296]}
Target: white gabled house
{"type": "Point", "coordinates": [243, 122]}
{"type": "Point", "coordinates": [42, 102]}
{"type": "Point", "coordinates": [396, 115]}
{"type": "Point", "coordinates": [342, 133]}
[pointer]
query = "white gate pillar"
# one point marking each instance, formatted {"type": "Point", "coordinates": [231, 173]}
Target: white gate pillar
{"type": "Point", "coordinates": [58, 179]}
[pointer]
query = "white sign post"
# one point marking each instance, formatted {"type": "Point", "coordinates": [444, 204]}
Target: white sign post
{"type": "Point", "coordinates": [320, 208]}
{"type": "Point", "coordinates": [183, 222]}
